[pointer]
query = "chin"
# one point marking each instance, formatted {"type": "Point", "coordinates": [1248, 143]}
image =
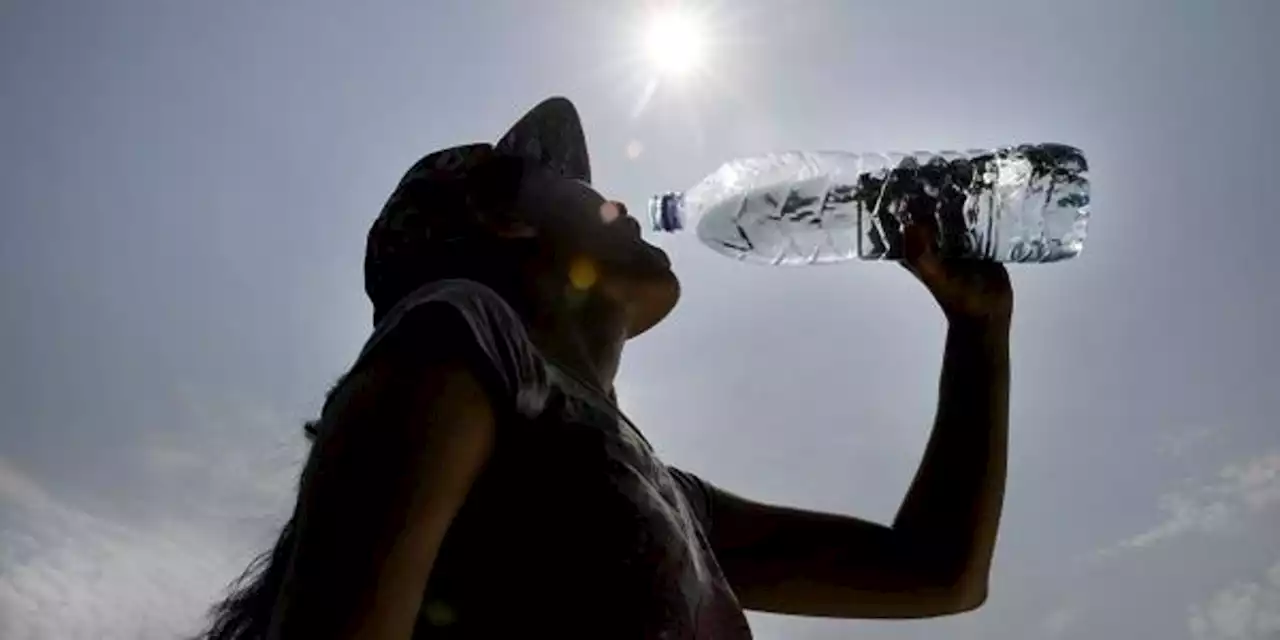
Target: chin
{"type": "Point", "coordinates": [639, 277]}
{"type": "Point", "coordinates": [651, 295]}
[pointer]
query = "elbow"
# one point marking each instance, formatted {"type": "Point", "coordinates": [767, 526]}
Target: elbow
{"type": "Point", "coordinates": [963, 594]}
{"type": "Point", "coordinates": [968, 598]}
{"type": "Point", "coordinates": [958, 586]}
{"type": "Point", "coordinates": [961, 579]}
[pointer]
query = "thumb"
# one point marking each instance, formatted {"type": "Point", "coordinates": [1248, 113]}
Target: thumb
{"type": "Point", "coordinates": [920, 251]}
{"type": "Point", "coordinates": [915, 242]}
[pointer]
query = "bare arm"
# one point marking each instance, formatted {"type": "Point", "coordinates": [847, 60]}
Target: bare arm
{"type": "Point", "coordinates": [936, 557]}
{"type": "Point", "coordinates": [952, 510]}
{"type": "Point", "coordinates": [384, 482]}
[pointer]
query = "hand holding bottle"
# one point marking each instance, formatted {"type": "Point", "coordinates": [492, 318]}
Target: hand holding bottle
{"type": "Point", "coordinates": [970, 292]}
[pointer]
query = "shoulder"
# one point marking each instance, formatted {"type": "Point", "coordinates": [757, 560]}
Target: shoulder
{"type": "Point", "coordinates": [445, 302]}
{"type": "Point", "coordinates": [698, 494]}
{"type": "Point", "coordinates": [462, 326]}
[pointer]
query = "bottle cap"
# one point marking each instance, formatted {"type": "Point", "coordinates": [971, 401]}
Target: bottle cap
{"type": "Point", "coordinates": [666, 212]}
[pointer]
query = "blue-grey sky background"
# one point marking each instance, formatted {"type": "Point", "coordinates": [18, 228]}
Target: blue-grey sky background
{"type": "Point", "coordinates": [185, 188]}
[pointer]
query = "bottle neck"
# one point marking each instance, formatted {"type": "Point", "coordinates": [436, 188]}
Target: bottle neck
{"type": "Point", "coordinates": [666, 212]}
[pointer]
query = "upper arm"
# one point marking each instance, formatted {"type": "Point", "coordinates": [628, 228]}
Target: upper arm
{"type": "Point", "coordinates": [403, 440]}
{"type": "Point", "coordinates": [792, 561]}
{"type": "Point", "coordinates": [377, 496]}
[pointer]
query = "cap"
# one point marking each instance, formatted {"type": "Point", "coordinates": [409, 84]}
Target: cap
{"type": "Point", "coordinates": [430, 206]}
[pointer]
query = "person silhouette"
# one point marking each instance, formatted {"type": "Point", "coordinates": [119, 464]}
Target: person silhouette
{"type": "Point", "coordinates": [471, 475]}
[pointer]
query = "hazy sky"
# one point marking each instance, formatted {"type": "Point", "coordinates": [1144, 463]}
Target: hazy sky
{"type": "Point", "coordinates": [185, 188]}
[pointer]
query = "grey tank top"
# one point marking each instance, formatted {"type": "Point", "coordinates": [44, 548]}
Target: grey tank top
{"type": "Point", "coordinates": [575, 529]}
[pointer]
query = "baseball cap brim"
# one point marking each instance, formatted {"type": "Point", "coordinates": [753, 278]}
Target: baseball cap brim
{"type": "Point", "coordinates": [551, 135]}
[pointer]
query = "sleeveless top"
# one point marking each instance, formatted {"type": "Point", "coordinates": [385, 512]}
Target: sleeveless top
{"type": "Point", "coordinates": [575, 529]}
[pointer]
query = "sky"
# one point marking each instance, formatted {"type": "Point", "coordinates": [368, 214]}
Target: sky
{"type": "Point", "coordinates": [185, 189]}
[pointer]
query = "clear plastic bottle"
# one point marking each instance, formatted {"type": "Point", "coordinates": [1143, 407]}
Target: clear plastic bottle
{"type": "Point", "coordinates": [1028, 203]}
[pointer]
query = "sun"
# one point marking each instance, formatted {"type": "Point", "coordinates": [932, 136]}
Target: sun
{"type": "Point", "coordinates": [679, 48]}
{"type": "Point", "coordinates": [675, 42]}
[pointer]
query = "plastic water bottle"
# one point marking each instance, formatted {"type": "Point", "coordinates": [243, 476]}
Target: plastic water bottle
{"type": "Point", "coordinates": [1028, 203]}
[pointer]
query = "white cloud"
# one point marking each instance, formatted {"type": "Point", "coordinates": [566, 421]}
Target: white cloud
{"type": "Point", "coordinates": [1057, 622]}
{"type": "Point", "coordinates": [71, 571]}
{"type": "Point", "coordinates": [1256, 482]}
{"type": "Point", "coordinates": [101, 579]}
{"type": "Point", "coordinates": [1240, 611]}
{"type": "Point", "coordinates": [1219, 505]}
{"type": "Point", "coordinates": [69, 574]}
{"type": "Point", "coordinates": [1179, 443]}
{"type": "Point", "coordinates": [1186, 514]}
{"type": "Point", "coordinates": [16, 488]}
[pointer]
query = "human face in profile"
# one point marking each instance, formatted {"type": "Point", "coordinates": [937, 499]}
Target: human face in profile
{"type": "Point", "coordinates": [600, 245]}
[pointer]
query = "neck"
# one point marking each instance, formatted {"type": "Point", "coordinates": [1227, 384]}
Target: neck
{"type": "Point", "coordinates": [581, 343]}
{"type": "Point", "coordinates": [569, 350]}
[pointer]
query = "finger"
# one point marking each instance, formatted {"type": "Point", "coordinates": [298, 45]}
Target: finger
{"type": "Point", "coordinates": [916, 242]}
{"type": "Point", "coordinates": [922, 253]}
{"type": "Point", "coordinates": [931, 269]}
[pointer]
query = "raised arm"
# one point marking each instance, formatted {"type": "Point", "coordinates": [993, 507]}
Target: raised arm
{"type": "Point", "coordinates": [936, 556]}
{"type": "Point", "coordinates": [407, 434]}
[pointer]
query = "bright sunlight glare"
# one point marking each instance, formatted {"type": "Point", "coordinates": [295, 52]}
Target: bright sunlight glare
{"type": "Point", "coordinates": [675, 42]}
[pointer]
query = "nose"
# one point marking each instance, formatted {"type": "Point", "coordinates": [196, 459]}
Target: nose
{"type": "Point", "coordinates": [622, 208]}
{"type": "Point", "coordinates": [614, 213]}
{"type": "Point", "coordinates": [612, 210]}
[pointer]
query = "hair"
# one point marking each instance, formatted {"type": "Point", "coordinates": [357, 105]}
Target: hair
{"type": "Point", "coordinates": [246, 611]}
{"type": "Point", "coordinates": [462, 244]}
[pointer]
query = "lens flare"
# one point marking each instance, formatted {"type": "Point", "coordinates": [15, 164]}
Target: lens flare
{"type": "Point", "coordinates": [582, 273]}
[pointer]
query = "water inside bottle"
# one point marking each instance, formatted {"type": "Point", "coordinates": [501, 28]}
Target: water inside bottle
{"type": "Point", "coordinates": [1017, 204]}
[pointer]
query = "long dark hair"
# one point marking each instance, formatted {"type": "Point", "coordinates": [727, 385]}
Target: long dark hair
{"type": "Point", "coordinates": [245, 613]}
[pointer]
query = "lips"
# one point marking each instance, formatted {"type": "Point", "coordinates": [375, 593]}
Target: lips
{"type": "Point", "coordinates": [632, 225]}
